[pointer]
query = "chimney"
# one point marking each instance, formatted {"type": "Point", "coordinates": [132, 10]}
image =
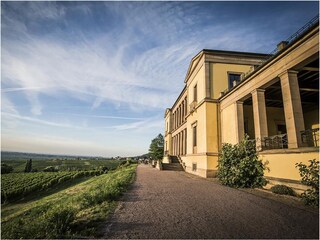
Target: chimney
{"type": "Point", "coordinates": [281, 45]}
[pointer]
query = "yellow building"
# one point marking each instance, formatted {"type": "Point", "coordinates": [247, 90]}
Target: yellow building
{"type": "Point", "coordinates": [272, 98]}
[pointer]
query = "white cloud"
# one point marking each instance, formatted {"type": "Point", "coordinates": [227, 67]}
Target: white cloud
{"type": "Point", "coordinates": [141, 125]}
{"type": "Point", "coordinates": [38, 121]}
{"type": "Point", "coordinates": [139, 59]}
{"type": "Point", "coordinates": [8, 107]}
{"type": "Point", "coordinates": [109, 67]}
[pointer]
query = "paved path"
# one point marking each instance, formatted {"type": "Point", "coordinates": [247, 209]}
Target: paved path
{"type": "Point", "coordinates": [167, 204]}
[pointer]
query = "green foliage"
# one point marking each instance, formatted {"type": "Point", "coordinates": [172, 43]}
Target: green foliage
{"type": "Point", "coordinates": [105, 169]}
{"type": "Point", "coordinates": [49, 169]}
{"type": "Point", "coordinates": [68, 164]}
{"type": "Point", "coordinates": [282, 190]}
{"type": "Point", "coordinates": [71, 213]}
{"type": "Point", "coordinates": [28, 167]}
{"type": "Point", "coordinates": [5, 168]}
{"type": "Point", "coordinates": [15, 186]}
{"type": "Point", "coordinates": [239, 166]}
{"type": "Point", "coordinates": [156, 148]}
{"type": "Point", "coordinates": [310, 177]}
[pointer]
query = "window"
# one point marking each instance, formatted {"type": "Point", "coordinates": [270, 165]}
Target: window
{"type": "Point", "coordinates": [194, 167]}
{"type": "Point", "coordinates": [233, 77]}
{"type": "Point", "coordinates": [195, 135]}
{"type": "Point", "coordinates": [195, 97]}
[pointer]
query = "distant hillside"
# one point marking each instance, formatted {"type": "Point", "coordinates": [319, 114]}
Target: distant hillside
{"type": "Point", "coordinates": [37, 156]}
{"type": "Point", "coordinates": [146, 155]}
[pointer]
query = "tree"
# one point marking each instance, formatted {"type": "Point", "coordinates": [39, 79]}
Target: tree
{"type": "Point", "coordinates": [28, 167]}
{"type": "Point", "coordinates": [156, 148]}
{"type": "Point", "coordinates": [5, 168]}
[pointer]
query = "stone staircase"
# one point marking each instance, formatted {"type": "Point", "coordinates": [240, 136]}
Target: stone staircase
{"type": "Point", "coordinates": [173, 166]}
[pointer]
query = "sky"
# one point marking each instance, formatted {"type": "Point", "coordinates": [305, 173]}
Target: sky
{"type": "Point", "coordinates": [95, 78]}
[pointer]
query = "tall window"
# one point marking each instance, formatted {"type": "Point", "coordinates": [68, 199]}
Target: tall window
{"type": "Point", "coordinates": [195, 91]}
{"type": "Point", "coordinates": [195, 136]}
{"type": "Point", "coordinates": [233, 77]}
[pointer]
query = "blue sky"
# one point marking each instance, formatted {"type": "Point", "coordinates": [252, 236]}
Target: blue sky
{"type": "Point", "coordinates": [94, 78]}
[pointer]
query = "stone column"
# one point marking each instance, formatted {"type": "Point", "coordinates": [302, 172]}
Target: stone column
{"type": "Point", "coordinates": [292, 107]}
{"type": "Point", "coordinates": [176, 152]}
{"type": "Point", "coordinates": [173, 145]}
{"type": "Point", "coordinates": [179, 143]}
{"type": "Point", "coordinates": [186, 106]}
{"type": "Point", "coordinates": [176, 119]}
{"type": "Point", "coordinates": [180, 115]}
{"type": "Point", "coordinates": [182, 107]}
{"type": "Point", "coordinates": [182, 142]}
{"type": "Point", "coordinates": [259, 116]}
{"type": "Point", "coordinates": [239, 121]}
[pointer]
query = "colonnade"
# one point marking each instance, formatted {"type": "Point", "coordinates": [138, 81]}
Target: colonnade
{"type": "Point", "coordinates": [180, 113]}
{"type": "Point", "coordinates": [292, 110]}
{"type": "Point", "coordinates": [180, 143]}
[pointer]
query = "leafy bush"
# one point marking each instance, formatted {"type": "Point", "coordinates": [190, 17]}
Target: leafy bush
{"type": "Point", "coordinates": [239, 166]}
{"type": "Point", "coordinates": [105, 169]}
{"type": "Point", "coordinates": [49, 169]}
{"type": "Point", "coordinates": [57, 221]}
{"type": "Point", "coordinates": [310, 177]}
{"type": "Point", "coordinates": [282, 190]}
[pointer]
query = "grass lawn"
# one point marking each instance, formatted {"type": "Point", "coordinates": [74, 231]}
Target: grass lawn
{"type": "Point", "coordinates": [74, 212]}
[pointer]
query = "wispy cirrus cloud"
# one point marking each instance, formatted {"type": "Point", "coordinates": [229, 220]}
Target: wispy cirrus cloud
{"type": "Point", "coordinates": [119, 61]}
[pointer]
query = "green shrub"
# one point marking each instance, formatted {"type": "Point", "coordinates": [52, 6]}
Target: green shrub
{"type": "Point", "coordinates": [5, 168]}
{"type": "Point", "coordinates": [57, 222]}
{"type": "Point", "coordinates": [282, 190]}
{"type": "Point", "coordinates": [239, 166]}
{"type": "Point", "coordinates": [49, 169]}
{"type": "Point", "coordinates": [310, 177]}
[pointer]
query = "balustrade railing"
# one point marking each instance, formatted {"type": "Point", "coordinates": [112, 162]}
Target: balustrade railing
{"type": "Point", "coordinates": [275, 142]}
{"type": "Point", "coordinates": [310, 137]}
{"type": "Point", "coordinates": [313, 22]}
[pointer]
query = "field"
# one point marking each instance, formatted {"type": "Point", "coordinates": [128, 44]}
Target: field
{"type": "Point", "coordinates": [73, 212]}
{"type": "Point", "coordinates": [61, 163]}
{"type": "Point", "coordinates": [15, 186]}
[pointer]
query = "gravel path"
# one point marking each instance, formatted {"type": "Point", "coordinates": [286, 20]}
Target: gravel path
{"type": "Point", "coordinates": [168, 204]}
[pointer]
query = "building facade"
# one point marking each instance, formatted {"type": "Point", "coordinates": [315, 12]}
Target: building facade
{"type": "Point", "coordinates": [274, 99]}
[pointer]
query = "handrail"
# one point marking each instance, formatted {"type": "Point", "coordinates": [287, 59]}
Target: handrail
{"type": "Point", "coordinates": [310, 137]}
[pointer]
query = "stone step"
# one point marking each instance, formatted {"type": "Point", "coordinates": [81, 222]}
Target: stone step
{"type": "Point", "coordinates": [172, 166]}
{"type": "Point", "coordinates": [174, 159]}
